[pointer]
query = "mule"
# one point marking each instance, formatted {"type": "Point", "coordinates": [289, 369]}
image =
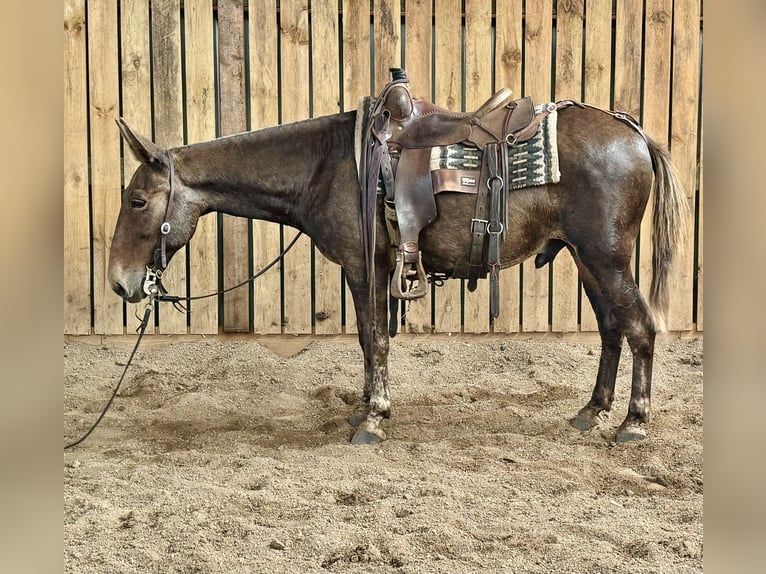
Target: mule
{"type": "Point", "coordinates": [304, 175]}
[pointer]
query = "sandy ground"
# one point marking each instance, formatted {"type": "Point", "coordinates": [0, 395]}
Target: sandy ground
{"type": "Point", "coordinates": [228, 456]}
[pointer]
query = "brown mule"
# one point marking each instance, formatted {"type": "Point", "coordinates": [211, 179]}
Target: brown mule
{"type": "Point", "coordinates": [304, 175]}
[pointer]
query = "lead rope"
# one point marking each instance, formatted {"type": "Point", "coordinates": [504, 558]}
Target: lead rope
{"type": "Point", "coordinates": [175, 300]}
{"type": "Point", "coordinates": [141, 330]}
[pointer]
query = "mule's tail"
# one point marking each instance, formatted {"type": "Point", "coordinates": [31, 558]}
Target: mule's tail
{"type": "Point", "coordinates": [669, 228]}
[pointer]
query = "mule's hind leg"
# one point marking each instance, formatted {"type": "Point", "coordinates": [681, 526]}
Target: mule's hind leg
{"type": "Point", "coordinates": [619, 292]}
{"type": "Point", "coordinates": [611, 347]}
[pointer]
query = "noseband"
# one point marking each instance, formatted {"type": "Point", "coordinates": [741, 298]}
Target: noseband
{"type": "Point", "coordinates": [152, 285]}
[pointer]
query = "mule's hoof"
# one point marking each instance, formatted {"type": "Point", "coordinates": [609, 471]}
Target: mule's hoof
{"type": "Point", "coordinates": [589, 418]}
{"type": "Point", "coordinates": [357, 418]}
{"type": "Point", "coordinates": [362, 436]}
{"type": "Point", "coordinates": [584, 422]}
{"type": "Point", "coordinates": [630, 433]}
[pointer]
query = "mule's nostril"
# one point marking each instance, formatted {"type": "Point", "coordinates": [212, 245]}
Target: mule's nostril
{"type": "Point", "coordinates": [120, 290]}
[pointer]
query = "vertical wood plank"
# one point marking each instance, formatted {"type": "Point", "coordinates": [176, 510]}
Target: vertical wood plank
{"type": "Point", "coordinates": [568, 86]}
{"type": "Point", "coordinates": [656, 103]}
{"type": "Point", "coordinates": [418, 48]}
{"type": "Point", "coordinates": [136, 73]}
{"type": "Point", "coordinates": [294, 72]}
{"type": "Point", "coordinates": [388, 45]}
{"type": "Point", "coordinates": [701, 211]}
{"type": "Point", "coordinates": [356, 84]}
{"type": "Point", "coordinates": [76, 212]}
{"type": "Point", "coordinates": [168, 130]}
{"type": "Point", "coordinates": [356, 52]}
{"type": "Point", "coordinates": [478, 87]}
{"type": "Point", "coordinates": [136, 87]}
{"type": "Point", "coordinates": [537, 84]}
{"type": "Point", "coordinates": [200, 121]}
{"type": "Point", "coordinates": [683, 149]}
{"type": "Point", "coordinates": [598, 63]}
{"type": "Point", "coordinates": [627, 57]}
{"type": "Point", "coordinates": [598, 49]}
{"type": "Point", "coordinates": [508, 61]}
{"type": "Point", "coordinates": [448, 90]}
{"type": "Point", "coordinates": [325, 84]}
{"type": "Point", "coordinates": [233, 112]}
{"type": "Point", "coordinates": [627, 63]}
{"type": "Point", "coordinates": [103, 71]}
{"type": "Point", "coordinates": [264, 112]}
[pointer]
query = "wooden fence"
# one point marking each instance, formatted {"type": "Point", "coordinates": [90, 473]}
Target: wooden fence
{"type": "Point", "coordinates": [191, 70]}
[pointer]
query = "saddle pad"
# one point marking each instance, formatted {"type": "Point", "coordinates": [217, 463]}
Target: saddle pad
{"type": "Point", "coordinates": [533, 162]}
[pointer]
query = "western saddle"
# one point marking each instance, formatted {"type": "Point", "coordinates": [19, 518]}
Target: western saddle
{"type": "Point", "coordinates": [398, 136]}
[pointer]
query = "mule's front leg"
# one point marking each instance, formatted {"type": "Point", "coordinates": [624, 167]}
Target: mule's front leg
{"type": "Point", "coordinates": [368, 430]}
{"type": "Point", "coordinates": [373, 338]}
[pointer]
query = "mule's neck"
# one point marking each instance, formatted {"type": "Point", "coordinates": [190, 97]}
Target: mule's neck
{"type": "Point", "coordinates": [276, 174]}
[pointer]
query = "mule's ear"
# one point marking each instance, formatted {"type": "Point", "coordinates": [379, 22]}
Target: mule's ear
{"type": "Point", "coordinates": [143, 148]}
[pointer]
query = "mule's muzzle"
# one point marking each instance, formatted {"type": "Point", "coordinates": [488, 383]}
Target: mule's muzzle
{"type": "Point", "coordinates": [131, 296]}
{"type": "Point", "coordinates": [127, 284]}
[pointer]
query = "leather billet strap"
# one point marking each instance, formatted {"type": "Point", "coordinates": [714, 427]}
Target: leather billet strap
{"type": "Point", "coordinates": [479, 224]}
{"type": "Point", "coordinates": [496, 226]}
{"type": "Point", "coordinates": [490, 218]}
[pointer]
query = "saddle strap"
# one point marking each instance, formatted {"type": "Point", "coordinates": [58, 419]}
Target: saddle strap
{"type": "Point", "coordinates": [479, 223]}
{"type": "Point", "coordinates": [495, 228]}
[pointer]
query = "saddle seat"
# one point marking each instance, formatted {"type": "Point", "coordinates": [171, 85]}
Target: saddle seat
{"type": "Point", "coordinates": [399, 135]}
{"type": "Point", "coordinates": [418, 124]}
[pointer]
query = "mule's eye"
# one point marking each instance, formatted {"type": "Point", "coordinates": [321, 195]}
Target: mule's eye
{"type": "Point", "coordinates": [136, 203]}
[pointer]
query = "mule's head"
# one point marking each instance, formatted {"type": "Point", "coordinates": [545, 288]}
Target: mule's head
{"type": "Point", "coordinates": [145, 208]}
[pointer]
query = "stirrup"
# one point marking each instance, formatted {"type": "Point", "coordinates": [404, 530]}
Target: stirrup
{"type": "Point", "coordinates": [415, 271]}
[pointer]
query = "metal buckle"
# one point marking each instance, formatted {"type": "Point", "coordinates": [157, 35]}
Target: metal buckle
{"type": "Point", "coordinates": [474, 221]}
{"type": "Point", "coordinates": [165, 228]}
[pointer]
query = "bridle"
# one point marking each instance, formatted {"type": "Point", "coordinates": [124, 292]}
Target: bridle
{"type": "Point", "coordinates": [153, 288]}
{"type": "Point", "coordinates": [165, 227]}
{"type": "Point", "coordinates": [152, 285]}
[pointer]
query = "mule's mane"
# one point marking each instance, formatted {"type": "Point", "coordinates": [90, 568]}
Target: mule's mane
{"type": "Point", "coordinates": [266, 173]}
{"type": "Point", "coordinates": [321, 132]}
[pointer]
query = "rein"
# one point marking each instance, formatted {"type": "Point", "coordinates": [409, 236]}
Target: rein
{"type": "Point", "coordinates": [156, 292]}
{"type": "Point", "coordinates": [154, 287]}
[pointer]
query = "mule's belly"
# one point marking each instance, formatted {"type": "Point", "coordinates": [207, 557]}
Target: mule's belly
{"type": "Point", "coordinates": [448, 239]}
